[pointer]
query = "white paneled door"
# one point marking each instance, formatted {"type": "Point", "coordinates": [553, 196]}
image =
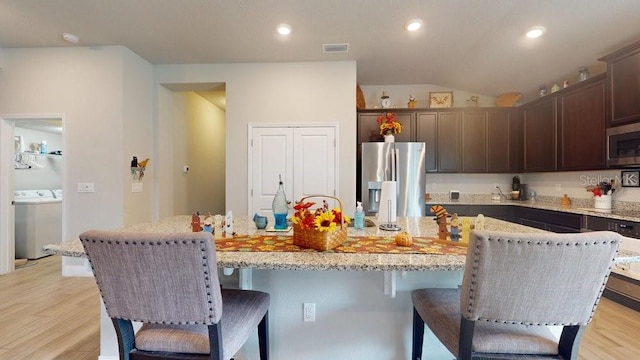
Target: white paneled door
{"type": "Point", "coordinates": [305, 157]}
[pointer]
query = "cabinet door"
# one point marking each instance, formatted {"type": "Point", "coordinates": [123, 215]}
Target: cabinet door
{"type": "Point", "coordinates": [500, 152]}
{"type": "Point", "coordinates": [624, 81]}
{"type": "Point", "coordinates": [303, 156]}
{"type": "Point", "coordinates": [581, 128]}
{"type": "Point", "coordinates": [448, 133]}
{"type": "Point", "coordinates": [369, 129]}
{"type": "Point", "coordinates": [540, 136]}
{"type": "Point", "coordinates": [426, 131]}
{"type": "Point", "coordinates": [474, 141]}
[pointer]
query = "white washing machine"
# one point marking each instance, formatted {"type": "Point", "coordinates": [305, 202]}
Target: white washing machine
{"type": "Point", "coordinates": [38, 218]}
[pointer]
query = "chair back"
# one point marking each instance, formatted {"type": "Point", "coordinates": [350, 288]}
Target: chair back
{"type": "Point", "coordinates": [542, 279]}
{"type": "Point", "coordinates": [156, 278]}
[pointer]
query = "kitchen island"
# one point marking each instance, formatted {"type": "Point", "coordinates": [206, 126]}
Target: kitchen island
{"type": "Point", "coordinates": [362, 301]}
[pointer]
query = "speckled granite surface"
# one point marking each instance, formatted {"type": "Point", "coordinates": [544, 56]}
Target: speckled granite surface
{"type": "Point", "coordinates": [580, 206]}
{"type": "Point", "coordinates": [325, 261]}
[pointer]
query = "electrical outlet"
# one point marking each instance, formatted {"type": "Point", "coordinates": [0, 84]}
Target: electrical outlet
{"type": "Point", "coordinates": [558, 187]}
{"type": "Point", "coordinates": [308, 312]}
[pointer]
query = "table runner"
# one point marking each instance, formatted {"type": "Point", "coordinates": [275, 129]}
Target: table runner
{"type": "Point", "coordinates": [353, 244]}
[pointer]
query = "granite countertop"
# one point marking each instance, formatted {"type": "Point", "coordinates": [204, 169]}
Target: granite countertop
{"type": "Point", "coordinates": [581, 206]}
{"type": "Point", "coordinates": [322, 260]}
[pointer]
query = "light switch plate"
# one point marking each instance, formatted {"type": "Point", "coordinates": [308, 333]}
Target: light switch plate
{"type": "Point", "coordinates": [137, 187]}
{"type": "Point", "coordinates": [86, 187]}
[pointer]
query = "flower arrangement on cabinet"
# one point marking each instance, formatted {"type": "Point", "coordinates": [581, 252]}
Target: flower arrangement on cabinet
{"type": "Point", "coordinates": [321, 219]}
{"type": "Point", "coordinates": [389, 124]}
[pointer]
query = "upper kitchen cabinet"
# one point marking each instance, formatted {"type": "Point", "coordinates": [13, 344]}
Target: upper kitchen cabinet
{"type": "Point", "coordinates": [369, 129]}
{"type": "Point", "coordinates": [448, 142]}
{"type": "Point", "coordinates": [581, 125]}
{"type": "Point", "coordinates": [426, 131]}
{"type": "Point", "coordinates": [539, 135]}
{"type": "Point", "coordinates": [504, 138]}
{"type": "Point", "coordinates": [474, 141]}
{"type": "Point", "coordinates": [623, 81]}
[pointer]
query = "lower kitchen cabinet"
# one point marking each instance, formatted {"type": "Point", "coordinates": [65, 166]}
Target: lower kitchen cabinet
{"type": "Point", "coordinates": [555, 221]}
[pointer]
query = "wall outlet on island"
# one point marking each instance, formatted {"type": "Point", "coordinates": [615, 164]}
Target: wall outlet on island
{"type": "Point", "coordinates": [558, 187]}
{"type": "Point", "coordinates": [308, 312]}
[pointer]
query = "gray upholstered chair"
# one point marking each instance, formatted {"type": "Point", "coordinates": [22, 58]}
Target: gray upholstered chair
{"type": "Point", "coordinates": [169, 282]}
{"type": "Point", "coordinates": [513, 286]}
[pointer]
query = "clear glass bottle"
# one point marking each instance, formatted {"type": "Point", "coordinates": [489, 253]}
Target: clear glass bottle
{"type": "Point", "coordinates": [280, 207]}
{"type": "Point", "coordinates": [583, 74]}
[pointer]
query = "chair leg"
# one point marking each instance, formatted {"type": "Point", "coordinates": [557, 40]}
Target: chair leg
{"type": "Point", "coordinates": [263, 337]}
{"type": "Point", "coordinates": [465, 340]}
{"type": "Point", "coordinates": [215, 341]}
{"type": "Point", "coordinates": [418, 336]}
{"type": "Point", "coordinates": [126, 337]}
{"type": "Point", "coordinates": [570, 339]}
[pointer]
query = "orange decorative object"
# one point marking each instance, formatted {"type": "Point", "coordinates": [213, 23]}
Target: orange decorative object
{"type": "Point", "coordinates": [508, 99]}
{"type": "Point", "coordinates": [404, 239]}
{"type": "Point", "coordinates": [360, 103]}
{"type": "Point", "coordinates": [565, 202]}
{"type": "Point", "coordinates": [195, 223]}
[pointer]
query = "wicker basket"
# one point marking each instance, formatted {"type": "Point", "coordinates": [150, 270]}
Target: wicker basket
{"type": "Point", "coordinates": [320, 240]}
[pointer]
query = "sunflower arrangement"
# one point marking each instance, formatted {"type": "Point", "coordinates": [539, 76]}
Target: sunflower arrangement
{"type": "Point", "coordinates": [389, 124]}
{"type": "Point", "coordinates": [321, 219]}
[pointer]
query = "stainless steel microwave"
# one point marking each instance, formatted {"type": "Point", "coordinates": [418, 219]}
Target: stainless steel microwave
{"type": "Point", "coordinates": [623, 145]}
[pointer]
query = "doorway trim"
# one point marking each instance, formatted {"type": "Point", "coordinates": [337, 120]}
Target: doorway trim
{"type": "Point", "coordinates": [7, 185]}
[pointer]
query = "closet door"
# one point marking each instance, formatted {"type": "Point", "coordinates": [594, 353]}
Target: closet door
{"type": "Point", "coordinates": [304, 156]}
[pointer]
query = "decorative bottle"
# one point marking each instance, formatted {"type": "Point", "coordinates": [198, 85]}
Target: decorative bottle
{"type": "Point", "coordinates": [280, 208]}
{"type": "Point", "coordinates": [43, 147]}
{"type": "Point", "coordinates": [358, 217]}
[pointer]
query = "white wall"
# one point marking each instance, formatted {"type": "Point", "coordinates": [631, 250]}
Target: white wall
{"type": "Point", "coordinates": [399, 95]}
{"type": "Point", "coordinates": [49, 175]}
{"type": "Point", "coordinates": [102, 93]}
{"type": "Point", "coordinates": [199, 142]}
{"type": "Point", "coordinates": [315, 92]}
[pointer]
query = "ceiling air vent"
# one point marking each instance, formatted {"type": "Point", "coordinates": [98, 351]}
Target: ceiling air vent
{"type": "Point", "coordinates": [335, 48]}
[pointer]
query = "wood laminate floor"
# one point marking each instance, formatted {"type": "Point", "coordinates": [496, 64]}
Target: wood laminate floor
{"type": "Point", "coordinates": [46, 316]}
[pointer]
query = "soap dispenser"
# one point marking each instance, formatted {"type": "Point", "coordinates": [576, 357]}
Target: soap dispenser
{"type": "Point", "coordinates": [358, 217]}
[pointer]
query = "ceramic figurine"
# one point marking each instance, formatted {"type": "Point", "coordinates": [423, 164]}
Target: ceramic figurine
{"type": "Point", "coordinates": [455, 228]}
{"type": "Point", "coordinates": [208, 223]}
{"type": "Point", "coordinates": [195, 223]}
{"type": "Point", "coordinates": [441, 220]}
{"type": "Point", "coordinates": [412, 102]}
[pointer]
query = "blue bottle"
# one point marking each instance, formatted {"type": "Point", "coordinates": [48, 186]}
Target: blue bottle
{"type": "Point", "coordinates": [280, 208]}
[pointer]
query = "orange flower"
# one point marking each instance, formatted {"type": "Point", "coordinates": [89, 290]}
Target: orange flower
{"type": "Point", "coordinates": [389, 124]}
{"type": "Point", "coordinates": [320, 219]}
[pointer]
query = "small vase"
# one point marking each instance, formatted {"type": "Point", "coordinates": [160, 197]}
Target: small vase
{"type": "Point", "coordinates": [389, 138]}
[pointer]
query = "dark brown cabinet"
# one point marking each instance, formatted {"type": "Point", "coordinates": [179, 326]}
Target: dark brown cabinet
{"type": "Point", "coordinates": [623, 82]}
{"type": "Point", "coordinates": [581, 126]}
{"type": "Point", "coordinates": [566, 130]}
{"type": "Point", "coordinates": [539, 143]}
{"type": "Point", "coordinates": [503, 141]}
{"type": "Point", "coordinates": [474, 141]}
{"type": "Point", "coordinates": [448, 142]}
{"type": "Point", "coordinates": [471, 140]}
{"type": "Point", "coordinates": [426, 131]}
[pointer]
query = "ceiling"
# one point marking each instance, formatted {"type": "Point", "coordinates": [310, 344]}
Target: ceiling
{"type": "Point", "coordinates": [472, 45]}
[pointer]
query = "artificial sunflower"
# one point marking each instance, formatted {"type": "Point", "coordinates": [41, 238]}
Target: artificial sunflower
{"type": "Point", "coordinates": [325, 221]}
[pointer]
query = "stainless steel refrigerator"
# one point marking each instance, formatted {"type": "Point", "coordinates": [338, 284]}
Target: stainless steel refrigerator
{"type": "Point", "coordinates": [404, 162]}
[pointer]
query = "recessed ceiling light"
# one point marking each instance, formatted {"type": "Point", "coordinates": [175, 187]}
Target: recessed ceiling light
{"type": "Point", "coordinates": [414, 25]}
{"type": "Point", "coordinates": [283, 29]}
{"type": "Point", "coordinates": [70, 38]}
{"type": "Point", "coordinates": [535, 32]}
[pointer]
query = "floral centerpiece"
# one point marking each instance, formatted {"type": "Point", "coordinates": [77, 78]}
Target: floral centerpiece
{"type": "Point", "coordinates": [320, 229]}
{"type": "Point", "coordinates": [321, 219]}
{"type": "Point", "coordinates": [389, 124]}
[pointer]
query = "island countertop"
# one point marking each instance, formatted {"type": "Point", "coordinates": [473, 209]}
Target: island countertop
{"type": "Point", "coordinates": [422, 227]}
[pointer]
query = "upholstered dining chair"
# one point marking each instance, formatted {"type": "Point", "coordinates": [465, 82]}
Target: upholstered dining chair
{"type": "Point", "coordinates": [513, 287]}
{"type": "Point", "coordinates": [169, 282]}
